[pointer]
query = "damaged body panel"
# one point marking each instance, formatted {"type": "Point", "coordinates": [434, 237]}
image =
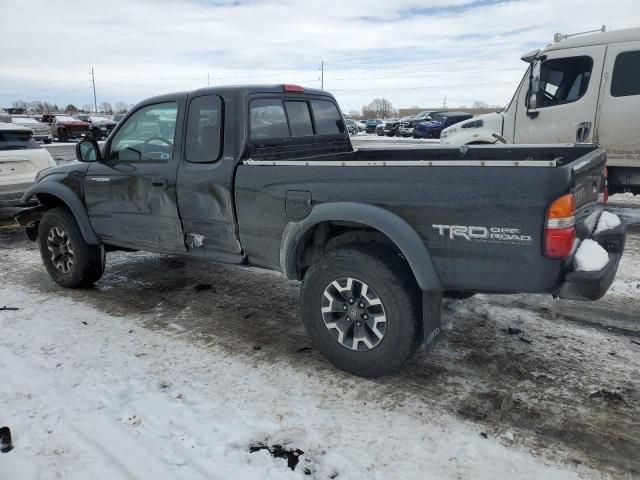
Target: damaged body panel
{"type": "Point", "coordinates": [266, 176]}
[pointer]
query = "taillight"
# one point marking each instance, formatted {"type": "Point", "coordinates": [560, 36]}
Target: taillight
{"type": "Point", "coordinates": [605, 173]}
{"type": "Point", "coordinates": [560, 230]}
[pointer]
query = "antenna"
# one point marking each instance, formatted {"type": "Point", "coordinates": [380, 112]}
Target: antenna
{"type": "Point", "coordinates": [558, 37]}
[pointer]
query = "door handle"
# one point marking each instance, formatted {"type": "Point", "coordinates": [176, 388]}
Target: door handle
{"type": "Point", "coordinates": [159, 182]}
{"type": "Point", "coordinates": [582, 132]}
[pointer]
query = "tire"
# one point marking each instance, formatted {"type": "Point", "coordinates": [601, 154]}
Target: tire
{"type": "Point", "coordinates": [62, 137]}
{"type": "Point", "coordinates": [458, 294]}
{"type": "Point", "coordinates": [75, 264]}
{"type": "Point", "coordinates": [389, 280]}
{"type": "Point", "coordinates": [47, 141]}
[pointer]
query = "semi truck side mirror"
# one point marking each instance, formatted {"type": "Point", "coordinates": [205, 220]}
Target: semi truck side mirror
{"type": "Point", "coordinates": [534, 89]}
{"type": "Point", "coordinates": [88, 151]}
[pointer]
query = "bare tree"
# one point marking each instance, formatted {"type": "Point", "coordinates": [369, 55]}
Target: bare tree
{"type": "Point", "coordinates": [20, 104]}
{"type": "Point", "coordinates": [71, 109]}
{"type": "Point", "coordinates": [121, 107]}
{"type": "Point", "coordinates": [379, 107]}
{"type": "Point", "coordinates": [480, 104]}
{"type": "Point", "coordinates": [105, 107]}
{"type": "Point", "coordinates": [87, 108]}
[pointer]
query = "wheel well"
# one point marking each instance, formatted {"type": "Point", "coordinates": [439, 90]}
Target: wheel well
{"type": "Point", "coordinates": [50, 201]}
{"type": "Point", "coordinates": [330, 235]}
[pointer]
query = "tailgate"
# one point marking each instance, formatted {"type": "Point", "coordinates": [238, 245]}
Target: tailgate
{"type": "Point", "coordinates": [589, 190]}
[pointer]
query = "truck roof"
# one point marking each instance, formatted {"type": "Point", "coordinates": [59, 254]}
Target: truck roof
{"type": "Point", "coordinates": [241, 90]}
{"type": "Point", "coordinates": [600, 38]}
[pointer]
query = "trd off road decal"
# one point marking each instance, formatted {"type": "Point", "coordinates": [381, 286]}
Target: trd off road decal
{"type": "Point", "coordinates": [508, 235]}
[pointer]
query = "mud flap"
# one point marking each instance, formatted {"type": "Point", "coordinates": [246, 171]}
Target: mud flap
{"type": "Point", "coordinates": [431, 317]}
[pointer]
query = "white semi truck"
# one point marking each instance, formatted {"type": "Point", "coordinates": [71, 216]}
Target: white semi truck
{"type": "Point", "coordinates": [582, 88]}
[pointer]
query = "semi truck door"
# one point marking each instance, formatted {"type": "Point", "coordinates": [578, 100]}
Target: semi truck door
{"type": "Point", "coordinates": [561, 102]}
{"type": "Point", "coordinates": [131, 194]}
{"type": "Point", "coordinates": [618, 128]}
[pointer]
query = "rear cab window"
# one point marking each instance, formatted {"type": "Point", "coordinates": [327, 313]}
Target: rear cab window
{"type": "Point", "coordinates": [17, 140]}
{"type": "Point", "coordinates": [278, 118]}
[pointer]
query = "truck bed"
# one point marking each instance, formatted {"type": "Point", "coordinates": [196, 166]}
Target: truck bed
{"type": "Point", "coordinates": [505, 187]}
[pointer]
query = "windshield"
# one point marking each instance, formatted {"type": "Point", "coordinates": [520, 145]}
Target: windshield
{"type": "Point", "coordinates": [65, 118]}
{"type": "Point", "coordinates": [99, 119]}
{"type": "Point", "coordinates": [438, 117]}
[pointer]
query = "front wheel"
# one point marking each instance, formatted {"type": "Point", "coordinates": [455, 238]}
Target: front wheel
{"type": "Point", "coordinates": [70, 261]}
{"type": "Point", "coordinates": [360, 307]}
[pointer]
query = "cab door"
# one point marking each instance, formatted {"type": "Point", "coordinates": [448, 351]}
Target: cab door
{"type": "Point", "coordinates": [131, 193]}
{"type": "Point", "coordinates": [560, 105]}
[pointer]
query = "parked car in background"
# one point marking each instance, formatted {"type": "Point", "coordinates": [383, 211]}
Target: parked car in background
{"type": "Point", "coordinates": [439, 121]}
{"type": "Point", "coordinates": [118, 116]}
{"type": "Point", "coordinates": [408, 124]}
{"type": "Point", "coordinates": [41, 131]}
{"type": "Point", "coordinates": [352, 127]}
{"type": "Point", "coordinates": [372, 124]}
{"type": "Point", "coordinates": [391, 127]}
{"type": "Point", "coordinates": [65, 127]}
{"type": "Point", "coordinates": [380, 128]}
{"type": "Point", "coordinates": [101, 126]}
{"type": "Point", "coordinates": [21, 158]}
{"type": "Point", "coordinates": [361, 125]}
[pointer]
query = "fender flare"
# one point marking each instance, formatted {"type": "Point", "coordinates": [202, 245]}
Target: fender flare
{"type": "Point", "coordinates": [395, 228]}
{"type": "Point", "coordinates": [71, 201]}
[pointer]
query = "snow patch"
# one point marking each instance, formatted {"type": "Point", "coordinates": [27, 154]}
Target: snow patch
{"type": "Point", "coordinates": [608, 221]}
{"type": "Point", "coordinates": [590, 257]}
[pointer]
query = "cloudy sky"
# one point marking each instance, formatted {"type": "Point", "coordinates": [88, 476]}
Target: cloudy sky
{"type": "Point", "coordinates": [413, 52]}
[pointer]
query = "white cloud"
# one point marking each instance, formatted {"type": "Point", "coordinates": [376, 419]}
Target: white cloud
{"type": "Point", "coordinates": [143, 48]}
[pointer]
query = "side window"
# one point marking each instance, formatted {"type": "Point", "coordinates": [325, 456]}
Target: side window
{"type": "Point", "coordinates": [563, 80]}
{"type": "Point", "coordinates": [204, 129]}
{"type": "Point", "coordinates": [299, 118]}
{"type": "Point", "coordinates": [327, 117]}
{"type": "Point", "coordinates": [148, 135]}
{"type": "Point", "coordinates": [267, 119]}
{"type": "Point", "coordinates": [626, 74]}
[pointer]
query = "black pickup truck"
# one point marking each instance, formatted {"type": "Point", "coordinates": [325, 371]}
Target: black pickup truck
{"type": "Point", "coordinates": [266, 176]}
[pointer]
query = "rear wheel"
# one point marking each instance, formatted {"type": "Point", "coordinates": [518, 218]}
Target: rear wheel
{"type": "Point", "coordinates": [62, 137]}
{"type": "Point", "coordinates": [70, 261]}
{"type": "Point", "coordinates": [360, 308]}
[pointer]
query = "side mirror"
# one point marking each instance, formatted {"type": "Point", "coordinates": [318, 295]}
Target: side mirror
{"type": "Point", "coordinates": [88, 151]}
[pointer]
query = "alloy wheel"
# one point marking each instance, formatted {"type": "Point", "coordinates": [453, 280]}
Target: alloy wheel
{"type": "Point", "coordinates": [354, 314]}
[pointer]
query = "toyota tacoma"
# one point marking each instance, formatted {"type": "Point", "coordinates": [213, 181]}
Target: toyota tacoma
{"type": "Point", "coordinates": [266, 176]}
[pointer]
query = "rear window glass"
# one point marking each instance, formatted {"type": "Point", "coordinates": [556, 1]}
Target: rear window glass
{"type": "Point", "coordinates": [327, 117]}
{"type": "Point", "coordinates": [268, 119]}
{"type": "Point", "coordinates": [17, 141]}
{"type": "Point", "coordinates": [299, 119]}
{"type": "Point", "coordinates": [626, 75]}
{"type": "Point", "coordinates": [204, 129]}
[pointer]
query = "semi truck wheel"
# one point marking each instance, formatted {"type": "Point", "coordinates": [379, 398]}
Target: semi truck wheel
{"type": "Point", "coordinates": [70, 261]}
{"type": "Point", "coordinates": [360, 307]}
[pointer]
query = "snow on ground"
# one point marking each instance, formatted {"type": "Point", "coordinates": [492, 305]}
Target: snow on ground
{"type": "Point", "coordinates": [89, 395]}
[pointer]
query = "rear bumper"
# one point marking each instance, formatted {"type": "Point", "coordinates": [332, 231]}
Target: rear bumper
{"type": "Point", "coordinates": [11, 194]}
{"type": "Point", "coordinates": [593, 285]}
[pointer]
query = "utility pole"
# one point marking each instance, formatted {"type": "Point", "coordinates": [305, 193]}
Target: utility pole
{"type": "Point", "coordinates": [444, 103]}
{"type": "Point", "coordinates": [322, 75]}
{"type": "Point", "coordinates": [93, 82]}
{"type": "Point", "coordinates": [208, 84]}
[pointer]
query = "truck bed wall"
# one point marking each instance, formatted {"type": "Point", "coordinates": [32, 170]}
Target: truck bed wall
{"type": "Point", "coordinates": [498, 197]}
